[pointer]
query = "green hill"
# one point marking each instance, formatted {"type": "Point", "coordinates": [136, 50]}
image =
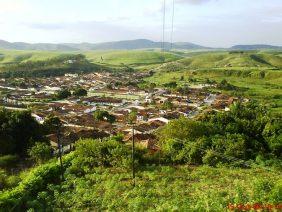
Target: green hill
{"type": "Point", "coordinates": [131, 57]}
{"type": "Point", "coordinates": [259, 73]}
{"type": "Point", "coordinates": [233, 59]}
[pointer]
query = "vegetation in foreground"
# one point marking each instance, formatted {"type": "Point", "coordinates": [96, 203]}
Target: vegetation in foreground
{"type": "Point", "coordinates": [99, 171]}
{"type": "Point", "coordinates": [157, 188]}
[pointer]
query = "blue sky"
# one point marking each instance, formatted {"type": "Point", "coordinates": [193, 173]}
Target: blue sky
{"type": "Point", "coordinates": [216, 23]}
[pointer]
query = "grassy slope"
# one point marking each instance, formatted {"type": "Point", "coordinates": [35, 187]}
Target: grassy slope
{"type": "Point", "coordinates": [158, 188]}
{"type": "Point", "coordinates": [170, 188]}
{"type": "Point", "coordinates": [242, 70]}
{"type": "Point", "coordinates": [133, 57]}
{"type": "Point", "coordinates": [14, 56]}
{"type": "Point", "coordinates": [130, 57]}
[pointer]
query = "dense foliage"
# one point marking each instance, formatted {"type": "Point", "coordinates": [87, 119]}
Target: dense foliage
{"type": "Point", "coordinates": [95, 179]}
{"type": "Point", "coordinates": [245, 133]}
{"type": "Point", "coordinates": [18, 132]}
{"type": "Point", "coordinates": [63, 94]}
{"type": "Point", "coordinates": [40, 152]}
{"type": "Point", "coordinates": [101, 115]}
{"type": "Point", "coordinates": [80, 92]}
{"type": "Point", "coordinates": [98, 171]}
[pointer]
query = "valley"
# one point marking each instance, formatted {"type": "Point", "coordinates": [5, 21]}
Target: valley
{"type": "Point", "coordinates": [192, 115]}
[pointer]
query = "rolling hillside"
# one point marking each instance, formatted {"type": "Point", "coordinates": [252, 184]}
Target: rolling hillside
{"type": "Point", "coordinates": [258, 74]}
{"type": "Point", "coordinates": [233, 59]}
{"type": "Point", "coordinates": [133, 57]}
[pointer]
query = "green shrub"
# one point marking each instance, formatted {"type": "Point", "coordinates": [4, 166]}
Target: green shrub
{"type": "Point", "coordinates": [211, 158]}
{"type": "Point", "coordinates": [40, 152]}
{"type": "Point", "coordinates": [8, 161]}
{"type": "Point", "coordinates": [91, 153]}
{"type": "Point", "coordinates": [3, 178]}
{"type": "Point", "coordinates": [35, 181]}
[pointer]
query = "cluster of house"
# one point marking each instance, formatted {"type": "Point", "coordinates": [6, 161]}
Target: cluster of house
{"type": "Point", "coordinates": [154, 108]}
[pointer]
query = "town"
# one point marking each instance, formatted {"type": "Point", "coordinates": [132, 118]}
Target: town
{"type": "Point", "coordinates": [76, 98]}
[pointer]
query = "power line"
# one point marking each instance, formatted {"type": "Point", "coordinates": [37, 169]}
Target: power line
{"type": "Point", "coordinates": [172, 24]}
{"type": "Point", "coordinates": [163, 41]}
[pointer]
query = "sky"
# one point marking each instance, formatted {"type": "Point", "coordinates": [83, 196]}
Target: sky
{"type": "Point", "coordinates": [214, 23]}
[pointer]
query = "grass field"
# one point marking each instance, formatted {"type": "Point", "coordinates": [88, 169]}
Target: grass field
{"type": "Point", "coordinates": [131, 57]}
{"type": "Point", "coordinates": [172, 189]}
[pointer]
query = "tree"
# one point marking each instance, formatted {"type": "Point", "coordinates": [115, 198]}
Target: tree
{"type": "Point", "coordinates": [18, 131]}
{"type": "Point", "coordinates": [101, 115]}
{"type": "Point", "coordinates": [152, 86]}
{"type": "Point", "coordinates": [91, 153]}
{"type": "Point", "coordinates": [183, 90]}
{"type": "Point", "coordinates": [172, 84]}
{"type": "Point", "coordinates": [182, 129]}
{"type": "Point", "coordinates": [132, 117]}
{"type": "Point", "coordinates": [63, 94]}
{"type": "Point", "coordinates": [167, 105]}
{"type": "Point", "coordinates": [109, 86]}
{"type": "Point", "coordinates": [51, 124]}
{"type": "Point", "coordinates": [226, 85]}
{"type": "Point", "coordinates": [262, 74]}
{"type": "Point", "coordinates": [40, 152]}
{"type": "Point", "coordinates": [80, 92]}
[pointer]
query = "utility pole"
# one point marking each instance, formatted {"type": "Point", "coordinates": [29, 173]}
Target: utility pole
{"type": "Point", "coordinates": [60, 151]}
{"type": "Point", "coordinates": [133, 159]}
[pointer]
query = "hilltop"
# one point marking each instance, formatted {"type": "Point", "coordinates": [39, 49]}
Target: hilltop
{"type": "Point", "coordinates": [256, 46]}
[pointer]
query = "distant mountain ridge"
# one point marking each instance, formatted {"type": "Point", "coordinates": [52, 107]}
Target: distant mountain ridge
{"type": "Point", "coordinates": [36, 46]}
{"type": "Point", "coordinates": [255, 47]}
{"type": "Point", "coordinates": [119, 45]}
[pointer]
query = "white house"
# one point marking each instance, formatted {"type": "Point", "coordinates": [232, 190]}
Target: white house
{"type": "Point", "coordinates": [38, 118]}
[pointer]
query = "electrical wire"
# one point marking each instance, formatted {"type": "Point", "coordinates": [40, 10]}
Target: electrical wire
{"type": "Point", "coordinates": [172, 25]}
{"type": "Point", "coordinates": [163, 41]}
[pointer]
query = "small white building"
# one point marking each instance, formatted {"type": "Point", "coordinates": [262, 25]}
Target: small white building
{"type": "Point", "coordinates": [38, 118]}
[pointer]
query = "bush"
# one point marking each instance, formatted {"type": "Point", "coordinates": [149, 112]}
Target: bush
{"type": "Point", "coordinates": [18, 130]}
{"type": "Point", "coordinates": [183, 129]}
{"type": "Point", "coordinates": [80, 92]}
{"type": "Point", "coordinates": [40, 152]}
{"type": "Point", "coordinates": [8, 161]}
{"type": "Point", "coordinates": [35, 181]}
{"type": "Point", "coordinates": [173, 150]}
{"type": "Point", "coordinates": [3, 178]}
{"type": "Point", "coordinates": [101, 115]}
{"type": "Point", "coordinates": [63, 94]}
{"type": "Point", "coordinates": [211, 158]}
{"type": "Point", "coordinates": [91, 153]}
